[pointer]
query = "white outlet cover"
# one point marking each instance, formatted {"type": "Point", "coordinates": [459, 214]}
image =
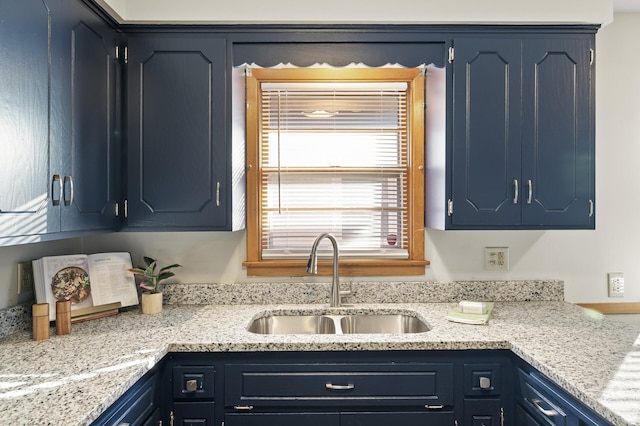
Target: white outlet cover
{"type": "Point", "coordinates": [496, 258]}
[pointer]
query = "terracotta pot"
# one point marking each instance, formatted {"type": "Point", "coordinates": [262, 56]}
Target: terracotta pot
{"type": "Point", "coordinates": [151, 303]}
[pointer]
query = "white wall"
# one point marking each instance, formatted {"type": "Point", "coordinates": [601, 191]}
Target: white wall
{"type": "Point", "coordinates": [411, 11]}
{"type": "Point", "coordinates": [581, 258]}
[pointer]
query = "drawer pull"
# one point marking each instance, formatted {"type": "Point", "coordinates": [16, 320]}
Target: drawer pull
{"type": "Point", "coordinates": [191, 385]}
{"type": "Point", "coordinates": [548, 413]}
{"type": "Point", "coordinates": [434, 407]}
{"type": "Point", "coordinates": [485, 383]}
{"type": "Point", "coordinates": [243, 407]}
{"type": "Point", "coordinates": [339, 387]}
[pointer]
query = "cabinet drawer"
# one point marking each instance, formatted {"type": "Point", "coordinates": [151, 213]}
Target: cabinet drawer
{"type": "Point", "coordinates": [194, 381]}
{"type": "Point", "coordinates": [482, 379]}
{"type": "Point", "coordinates": [339, 384]}
{"type": "Point", "coordinates": [483, 412]}
{"type": "Point", "coordinates": [550, 405]}
{"type": "Point", "coordinates": [540, 402]}
{"type": "Point", "coordinates": [193, 414]}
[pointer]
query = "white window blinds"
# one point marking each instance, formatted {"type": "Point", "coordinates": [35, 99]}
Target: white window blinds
{"type": "Point", "coordinates": [334, 158]}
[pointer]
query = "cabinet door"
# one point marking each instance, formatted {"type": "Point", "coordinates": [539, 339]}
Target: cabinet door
{"type": "Point", "coordinates": [83, 116]}
{"type": "Point", "coordinates": [282, 419]}
{"type": "Point", "coordinates": [558, 137]}
{"type": "Point", "coordinates": [397, 418]}
{"type": "Point", "coordinates": [177, 152]}
{"type": "Point", "coordinates": [24, 125]}
{"type": "Point", "coordinates": [486, 133]}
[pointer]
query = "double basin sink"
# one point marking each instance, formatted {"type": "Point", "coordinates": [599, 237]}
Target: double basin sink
{"type": "Point", "coordinates": [351, 323]}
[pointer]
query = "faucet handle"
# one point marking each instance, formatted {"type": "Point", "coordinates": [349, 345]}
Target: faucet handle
{"type": "Point", "coordinates": [344, 293]}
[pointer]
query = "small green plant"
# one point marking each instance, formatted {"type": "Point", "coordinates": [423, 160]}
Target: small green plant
{"type": "Point", "coordinates": [149, 278]}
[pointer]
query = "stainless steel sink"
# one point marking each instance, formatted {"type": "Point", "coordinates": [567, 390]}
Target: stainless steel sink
{"type": "Point", "coordinates": [388, 324]}
{"type": "Point", "coordinates": [360, 323]}
{"type": "Point", "coordinates": [293, 324]}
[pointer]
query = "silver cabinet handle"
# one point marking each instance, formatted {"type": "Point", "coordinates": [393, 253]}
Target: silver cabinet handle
{"type": "Point", "coordinates": [548, 413]}
{"type": "Point", "coordinates": [69, 180]}
{"type": "Point", "coordinates": [529, 191]}
{"type": "Point", "coordinates": [434, 407]}
{"type": "Point", "coordinates": [339, 387]}
{"type": "Point", "coordinates": [218, 194]}
{"type": "Point", "coordinates": [515, 191]}
{"type": "Point", "coordinates": [243, 407]}
{"type": "Point", "coordinates": [54, 201]}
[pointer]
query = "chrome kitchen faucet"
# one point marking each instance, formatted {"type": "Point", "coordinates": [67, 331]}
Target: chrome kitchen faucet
{"type": "Point", "coordinates": [312, 267]}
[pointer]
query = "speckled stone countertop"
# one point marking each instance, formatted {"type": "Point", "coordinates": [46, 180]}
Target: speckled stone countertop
{"type": "Point", "coordinates": [70, 380]}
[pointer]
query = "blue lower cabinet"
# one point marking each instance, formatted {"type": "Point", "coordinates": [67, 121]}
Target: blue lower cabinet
{"type": "Point", "coordinates": [463, 388]}
{"type": "Point", "coordinates": [138, 406]}
{"type": "Point", "coordinates": [539, 401]}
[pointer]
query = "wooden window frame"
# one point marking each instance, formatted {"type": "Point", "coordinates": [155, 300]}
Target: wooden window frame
{"type": "Point", "coordinates": [415, 264]}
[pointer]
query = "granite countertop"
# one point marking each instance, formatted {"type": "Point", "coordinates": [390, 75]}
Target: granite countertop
{"type": "Point", "coordinates": [72, 379]}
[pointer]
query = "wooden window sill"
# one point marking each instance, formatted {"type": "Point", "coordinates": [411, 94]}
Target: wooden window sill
{"type": "Point", "coordinates": [347, 267]}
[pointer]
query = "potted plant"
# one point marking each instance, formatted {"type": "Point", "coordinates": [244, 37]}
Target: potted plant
{"type": "Point", "coordinates": [149, 281]}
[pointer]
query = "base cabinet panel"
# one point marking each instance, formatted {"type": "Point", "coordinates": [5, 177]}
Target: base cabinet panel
{"type": "Point", "coordinates": [445, 418]}
{"type": "Point", "coordinates": [282, 419]}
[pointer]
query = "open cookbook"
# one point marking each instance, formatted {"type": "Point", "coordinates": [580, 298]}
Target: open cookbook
{"type": "Point", "coordinates": [88, 281]}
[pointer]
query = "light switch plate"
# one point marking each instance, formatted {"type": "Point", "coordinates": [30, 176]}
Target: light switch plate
{"type": "Point", "coordinates": [25, 278]}
{"type": "Point", "coordinates": [496, 258]}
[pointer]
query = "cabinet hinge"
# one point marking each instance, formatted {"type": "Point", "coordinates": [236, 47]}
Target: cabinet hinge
{"type": "Point", "coordinates": [449, 207]}
{"type": "Point", "coordinates": [117, 209]}
{"type": "Point", "coordinates": [592, 56]}
{"type": "Point", "coordinates": [451, 54]}
{"type": "Point", "coordinates": [126, 208]}
{"type": "Point", "coordinates": [125, 55]}
{"type": "Point", "coordinates": [247, 72]}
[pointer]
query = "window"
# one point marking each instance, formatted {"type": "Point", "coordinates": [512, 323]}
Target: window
{"type": "Point", "coordinates": [339, 151]}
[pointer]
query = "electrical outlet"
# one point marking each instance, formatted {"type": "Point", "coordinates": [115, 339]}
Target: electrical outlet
{"type": "Point", "coordinates": [25, 278]}
{"type": "Point", "coordinates": [496, 258]}
{"type": "Point", "coordinates": [616, 284]}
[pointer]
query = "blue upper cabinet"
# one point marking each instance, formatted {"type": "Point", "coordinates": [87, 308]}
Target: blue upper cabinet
{"type": "Point", "coordinates": [522, 147]}
{"type": "Point", "coordinates": [84, 137]}
{"type": "Point", "coordinates": [24, 120]}
{"type": "Point", "coordinates": [486, 136]}
{"type": "Point", "coordinates": [57, 92]}
{"type": "Point", "coordinates": [557, 134]}
{"type": "Point", "coordinates": [177, 137]}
